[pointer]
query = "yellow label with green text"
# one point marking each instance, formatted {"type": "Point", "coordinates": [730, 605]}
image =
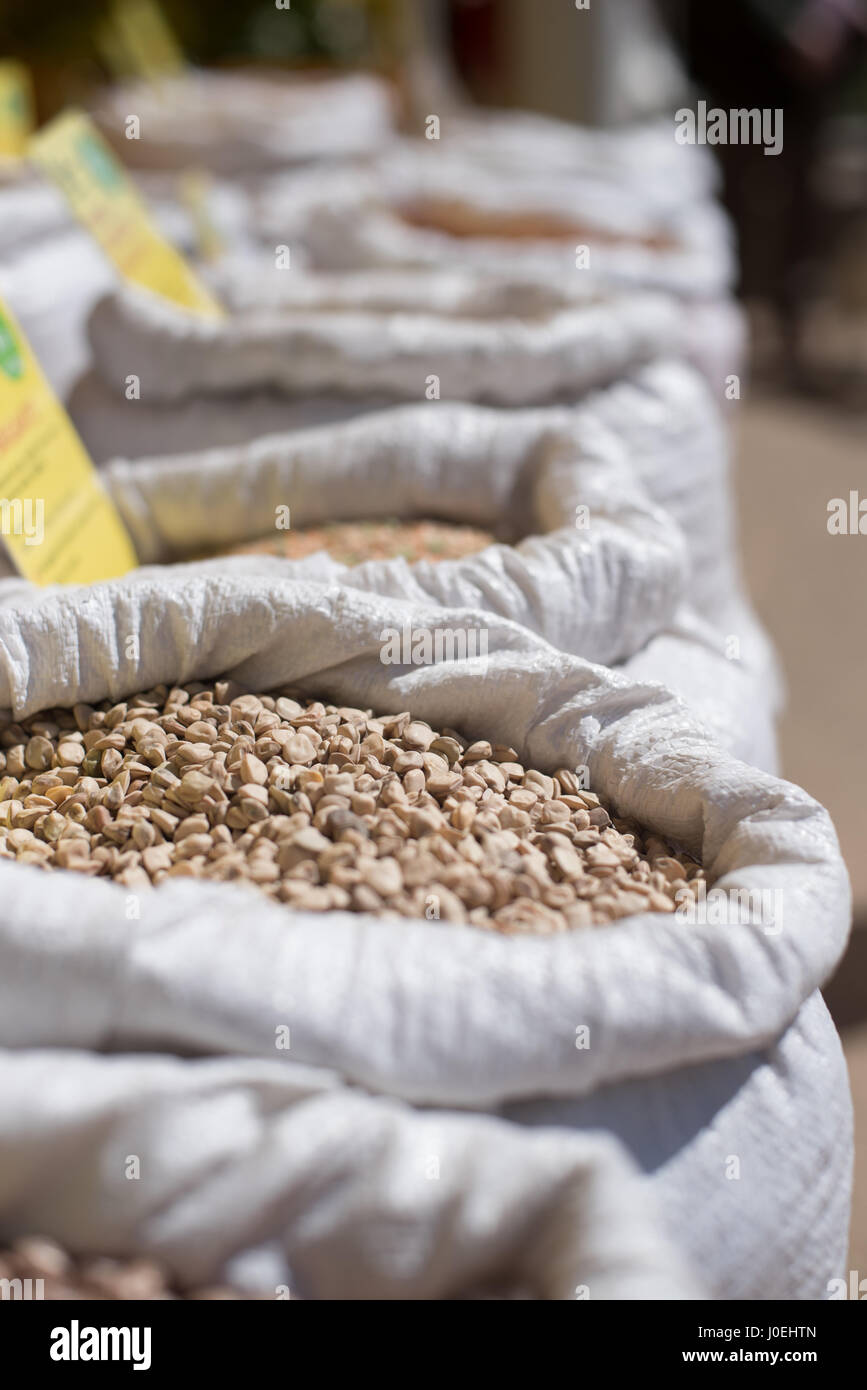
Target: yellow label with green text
{"type": "Point", "coordinates": [57, 522]}
{"type": "Point", "coordinates": [71, 151]}
{"type": "Point", "coordinates": [16, 110]}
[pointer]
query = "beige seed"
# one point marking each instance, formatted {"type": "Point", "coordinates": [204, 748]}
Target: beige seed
{"type": "Point", "coordinates": [192, 825]}
{"type": "Point", "coordinates": [299, 749]}
{"type": "Point", "coordinates": [288, 709]}
{"type": "Point", "coordinates": [164, 821]}
{"type": "Point", "coordinates": [53, 826]}
{"type": "Point", "coordinates": [191, 846]}
{"type": "Point", "coordinates": [70, 754]}
{"type": "Point", "coordinates": [15, 764]}
{"type": "Point", "coordinates": [252, 769]}
{"type": "Point", "coordinates": [39, 753]}
{"type": "Point", "coordinates": [414, 781]}
{"type": "Point", "coordinates": [404, 762]}
{"type": "Point", "coordinates": [194, 786]}
{"type": "Point", "coordinates": [202, 732]}
{"type": "Point", "coordinates": [143, 834]}
{"type": "Point", "coordinates": [111, 762]}
{"type": "Point", "coordinates": [383, 876]}
{"type": "Point", "coordinates": [418, 736]}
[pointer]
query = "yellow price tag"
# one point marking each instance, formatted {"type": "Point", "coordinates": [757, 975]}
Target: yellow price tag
{"type": "Point", "coordinates": [71, 151]}
{"type": "Point", "coordinates": [138, 39]}
{"type": "Point", "coordinates": [16, 110]}
{"type": "Point", "coordinates": [57, 521]}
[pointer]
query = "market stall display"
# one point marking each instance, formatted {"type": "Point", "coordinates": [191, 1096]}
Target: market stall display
{"type": "Point", "coordinates": [407, 808]}
{"type": "Point", "coordinates": [767, 848]}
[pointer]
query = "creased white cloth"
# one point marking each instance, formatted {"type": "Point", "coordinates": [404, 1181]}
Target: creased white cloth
{"type": "Point", "coordinates": [442, 1014]}
{"type": "Point", "coordinates": [240, 124]}
{"type": "Point", "coordinates": [51, 286]}
{"type": "Point", "coordinates": [466, 461]}
{"type": "Point", "coordinates": [712, 333]}
{"type": "Point", "coordinates": [626, 588]}
{"type": "Point", "coordinates": [112, 426]}
{"type": "Point", "coordinates": [601, 590]}
{"type": "Point", "coordinates": [510, 360]}
{"type": "Point", "coordinates": [351, 1196]}
{"type": "Point", "coordinates": [664, 232]}
{"type": "Point", "coordinates": [639, 205]}
{"type": "Point", "coordinates": [30, 210]}
{"type": "Point", "coordinates": [469, 464]}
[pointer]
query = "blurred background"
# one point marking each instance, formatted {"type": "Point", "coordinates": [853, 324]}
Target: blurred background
{"type": "Point", "coordinates": [800, 427]}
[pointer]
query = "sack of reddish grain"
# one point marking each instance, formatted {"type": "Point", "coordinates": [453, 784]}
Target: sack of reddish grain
{"type": "Point", "coordinates": [480, 203]}
{"type": "Point", "coordinates": [588, 560]}
{"type": "Point", "coordinates": [695, 1036]}
{"type": "Point", "coordinates": [615, 356]}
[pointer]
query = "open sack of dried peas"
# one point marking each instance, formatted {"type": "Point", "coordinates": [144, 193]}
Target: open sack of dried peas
{"type": "Point", "coordinates": [249, 831]}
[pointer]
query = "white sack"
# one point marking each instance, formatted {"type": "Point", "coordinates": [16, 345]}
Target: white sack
{"type": "Point", "coordinates": [339, 1186]}
{"type": "Point", "coordinates": [111, 426]}
{"type": "Point", "coordinates": [509, 360]}
{"type": "Point", "coordinates": [356, 216]}
{"type": "Point", "coordinates": [666, 418]}
{"type": "Point", "coordinates": [237, 124]}
{"type": "Point", "coordinates": [713, 332]}
{"type": "Point", "coordinates": [642, 157]}
{"type": "Point", "coordinates": [463, 462]}
{"type": "Point", "coordinates": [613, 592]}
{"type": "Point", "coordinates": [601, 592]}
{"type": "Point", "coordinates": [640, 202]}
{"type": "Point", "coordinates": [51, 287]}
{"type": "Point", "coordinates": [453, 1015]}
{"type": "Point", "coordinates": [30, 209]}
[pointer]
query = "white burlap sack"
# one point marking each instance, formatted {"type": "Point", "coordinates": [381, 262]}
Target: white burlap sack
{"type": "Point", "coordinates": [281, 1178]}
{"type": "Point", "coordinates": [467, 463]}
{"type": "Point", "coordinates": [30, 209]}
{"type": "Point", "coordinates": [637, 201]}
{"type": "Point", "coordinates": [362, 216]}
{"type": "Point", "coordinates": [669, 423]}
{"type": "Point", "coordinates": [643, 157]}
{"type": "Point", "coordinates": [110, 425]}
{"type": "Point", "coordinates": [507, 359]}
{"type": "Point", "coordinates": [712, 333]}
{"type": "Point", "coordinates": [240, 124]}
{"type": "Point", "coordinates": [708, 1043]}
{"type": "Point", "coordinates": [51, 287]}
{"type": "Point", "coordinates": [345, 362]}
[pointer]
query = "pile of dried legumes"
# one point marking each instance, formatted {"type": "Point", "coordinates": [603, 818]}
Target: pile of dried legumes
{"type": "Point", "coordinates": [323, 808]}
{"type": "Point", "coordinates": [461, 219]}
{"type": "Point", "coordinates": [353, 542]}
{"type": "Point", "coordinates": [96, 1277]}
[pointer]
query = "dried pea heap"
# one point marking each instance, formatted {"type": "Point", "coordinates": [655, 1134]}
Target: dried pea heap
{"type": "Point", "coordinates": [98, 1277]}
{"type": "Point", "coordinates": [323, 808]}
{"type": "Point", "coordinates": [353, 542]}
